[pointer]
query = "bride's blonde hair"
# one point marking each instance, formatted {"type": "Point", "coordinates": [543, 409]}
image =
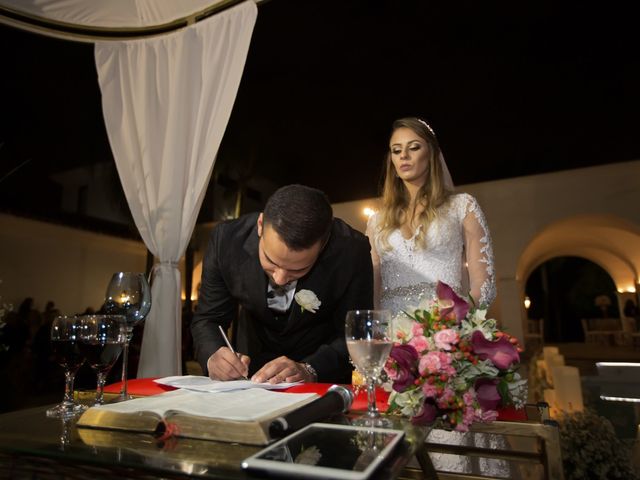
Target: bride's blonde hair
{"type": "Point", "coordinates": [395, 197]}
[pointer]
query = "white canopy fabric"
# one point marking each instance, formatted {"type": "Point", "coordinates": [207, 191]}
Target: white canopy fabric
{"type": "Point", "coordinates": [166, 102]}
{"type": "Point", "coordinates": [111, 13]}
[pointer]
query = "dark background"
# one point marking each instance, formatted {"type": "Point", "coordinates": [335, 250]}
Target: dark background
{"type": "Point", "coordinates": [511, 88]}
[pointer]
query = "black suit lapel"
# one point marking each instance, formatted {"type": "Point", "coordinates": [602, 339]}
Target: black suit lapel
{"type": "Point", "coordinates": [313, 281]}
{"type": "Point", "coordinates": [253, 278]}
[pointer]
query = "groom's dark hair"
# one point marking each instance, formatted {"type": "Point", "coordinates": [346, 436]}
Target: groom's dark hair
{"type": "Point", "coordinates": [300, 215]}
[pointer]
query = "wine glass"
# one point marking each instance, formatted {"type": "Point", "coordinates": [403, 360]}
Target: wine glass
{"type": "Point", "coordinates": [128, 294]}
{"type": "Point", "coordinates": [368, 335]}
{"type": "Point", "coordinates": [64, 344]}
{"type": "Point", "coordinates": [101, 341]}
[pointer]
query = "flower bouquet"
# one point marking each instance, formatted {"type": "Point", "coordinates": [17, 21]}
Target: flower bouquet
{"type": "Point", "coordinates": [450, 366]}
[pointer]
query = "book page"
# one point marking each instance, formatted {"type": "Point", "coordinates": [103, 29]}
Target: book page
{"type": "Point", "coordinates": [205, 384]}
{"type": "Point", "coordinates": [239, 405]}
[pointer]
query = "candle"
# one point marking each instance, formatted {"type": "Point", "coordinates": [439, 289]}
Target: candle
{"type": "Point", "coordinates": [550, 398]}
{"type": "Point", "coordinates": [548, 351]}
{"type": "Point", "coordinates": [553, 360]}
{"type": "Point", "coordinates": [568, 388]}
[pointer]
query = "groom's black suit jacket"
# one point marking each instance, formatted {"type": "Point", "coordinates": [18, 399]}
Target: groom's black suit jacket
{"type": "Point", "coordinates": [232, 277]}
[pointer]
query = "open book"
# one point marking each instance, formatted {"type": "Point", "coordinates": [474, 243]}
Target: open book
{"type": "Point", "coordinates": [241, 416]}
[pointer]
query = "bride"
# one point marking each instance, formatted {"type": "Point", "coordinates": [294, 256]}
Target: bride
{"type": "Point", "coordinates": [424, 233]}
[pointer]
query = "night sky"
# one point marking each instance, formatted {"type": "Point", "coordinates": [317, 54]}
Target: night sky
{"type": "Point", "coordinates": [511, 88]}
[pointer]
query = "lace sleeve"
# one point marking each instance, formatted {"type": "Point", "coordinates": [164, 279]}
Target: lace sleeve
{"type": "Point", "coordinates": [479, 254]}
{"type": "Point", "coordinates": [375, 260]}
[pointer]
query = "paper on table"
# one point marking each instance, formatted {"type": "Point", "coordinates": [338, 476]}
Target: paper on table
{"type": "Point", "coordinates": [205, 384]}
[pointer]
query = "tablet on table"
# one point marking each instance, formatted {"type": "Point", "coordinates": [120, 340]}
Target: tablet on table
{"type": "Point", "coordinates": [323, 450]}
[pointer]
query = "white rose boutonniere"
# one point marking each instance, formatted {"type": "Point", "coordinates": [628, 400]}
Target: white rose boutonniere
{"type": "Point", "coordinates": [307, 300]}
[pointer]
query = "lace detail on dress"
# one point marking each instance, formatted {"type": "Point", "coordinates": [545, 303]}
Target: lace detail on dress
{"type": "Point", "coordinates": [488, 286]}
{"type": "Point", "coordinates": [410, 273]}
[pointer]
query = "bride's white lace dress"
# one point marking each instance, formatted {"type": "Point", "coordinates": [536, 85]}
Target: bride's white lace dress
{"type": "Point", "coordinates": [458, 236]}
{"type": "Point", "coordinates": [458, 241]}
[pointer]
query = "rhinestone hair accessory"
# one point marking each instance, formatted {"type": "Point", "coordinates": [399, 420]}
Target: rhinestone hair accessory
{"type": "Point", "coordinates": [428, 126]}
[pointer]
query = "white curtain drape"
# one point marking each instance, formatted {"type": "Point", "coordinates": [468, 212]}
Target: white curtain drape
{"type": "Point", "coordinates": [166, 103]}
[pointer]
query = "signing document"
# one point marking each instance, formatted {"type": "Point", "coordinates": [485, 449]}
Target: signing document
{"type": "Point", "coordinates": [205, 384]}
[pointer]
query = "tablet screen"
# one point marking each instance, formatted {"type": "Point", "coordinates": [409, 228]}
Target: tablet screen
{"type": "Point", "coordinates": [321, 450]}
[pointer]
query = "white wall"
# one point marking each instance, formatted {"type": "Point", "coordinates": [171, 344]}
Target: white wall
{"type": "Point", "coordinates": [68, 266]}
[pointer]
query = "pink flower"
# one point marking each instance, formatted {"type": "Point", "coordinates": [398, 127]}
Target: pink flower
{"type": "Point", "coordinates": [445, 338]}
{"type": "Point", "coordinates": [486, 416]}
{"type": "Point", "coordinates": [429, 363]}
{"type": "Point", "coordinates": [450, 302]}
{"type": "Point", "coordinates": [500, 352]}
{"type": "Point", "coordinates": [390, 368]}
{"type": "Point", "coordinates": [469, 398]}
{"type": "Point", "coordinates": [416, 329]}
{"type": "Point", "coordinates": [445, 363]}
{"type": "Point", "coordinates": [429, 390]}
{"type": "Point", "coordinates": [419, 342]}
{"type": "Point", "coordinates": [468, 417]}
{"type": "Point", "coordinates": [445, 398]}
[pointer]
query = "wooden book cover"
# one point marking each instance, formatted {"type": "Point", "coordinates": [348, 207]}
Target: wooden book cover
{"type": "Point", "coordinates": [241, 416]}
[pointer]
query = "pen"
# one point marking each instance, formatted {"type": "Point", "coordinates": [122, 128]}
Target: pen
{"type": "Point", "coordinates": [226, 340]}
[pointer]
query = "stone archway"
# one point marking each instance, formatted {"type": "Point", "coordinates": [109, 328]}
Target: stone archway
{"type": "Point", "coordinates": [606, 240]}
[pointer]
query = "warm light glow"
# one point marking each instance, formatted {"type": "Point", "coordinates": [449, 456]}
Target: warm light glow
{"type": "Point", "coordinates": [194, 296]}
{"type": "Point", "coordinates": [527, 302]}
{"type": "Point", "coordinates": [124, 297]}
{"type": "Point", "coordinates": [368, 211]}
{"type": "Point", "coordinates": [630, 289]}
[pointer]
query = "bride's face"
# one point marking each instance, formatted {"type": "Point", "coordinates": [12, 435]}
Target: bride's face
{"type": "Point", "coordinates": [410, 156]}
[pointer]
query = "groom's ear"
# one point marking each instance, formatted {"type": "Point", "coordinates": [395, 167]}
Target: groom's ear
{"type": "Point", "coordinates": [259, 225]}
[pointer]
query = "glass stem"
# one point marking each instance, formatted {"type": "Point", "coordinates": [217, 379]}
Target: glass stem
{"type": "Point", "coordinates": [100, 388]}
{"type": "Point", "coordinates": [68, 389]}
{"type": "Point", "coordinates": [372, 410]}
{"type": "Point", "coordinates": [125, 363]}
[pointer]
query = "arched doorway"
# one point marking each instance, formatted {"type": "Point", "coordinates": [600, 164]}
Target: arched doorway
{"type": "Point", "coordinates": [579, 258]}
{"type": "Point", "coordinates": [563, 290]}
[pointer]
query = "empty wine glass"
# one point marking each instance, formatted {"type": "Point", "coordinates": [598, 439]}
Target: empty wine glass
{"type": "Point", "coordinates": [64, 344]}
{"type": "Point", "coordinates": [101, 341]}
{"type": "Point", "coordinates": [128, 294]}
{"type": "Point", "coordinates": [368, 335]}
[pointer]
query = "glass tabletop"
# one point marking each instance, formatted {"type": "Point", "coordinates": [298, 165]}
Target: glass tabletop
{"type": "Point", "coordinates": [31, 443]}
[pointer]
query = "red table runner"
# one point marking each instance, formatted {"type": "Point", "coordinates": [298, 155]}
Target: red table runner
{"type": "Point", "coordinates": [146, 386]}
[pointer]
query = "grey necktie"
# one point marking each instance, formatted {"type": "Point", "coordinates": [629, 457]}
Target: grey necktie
{"type": "Point", "coordinates": [279, 297]}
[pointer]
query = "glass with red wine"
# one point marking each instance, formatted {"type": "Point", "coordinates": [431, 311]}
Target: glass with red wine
{"type": "Point", "coordinates": [102, 338]}
{"type": "Point", "coordinates": [66, 350]}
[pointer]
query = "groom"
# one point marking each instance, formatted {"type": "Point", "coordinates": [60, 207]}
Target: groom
{"type": "Point", "coordinates": [277, 266]}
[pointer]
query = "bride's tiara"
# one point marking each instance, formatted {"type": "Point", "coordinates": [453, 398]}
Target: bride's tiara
{"type": "Point", "coordinates": [428, 126]}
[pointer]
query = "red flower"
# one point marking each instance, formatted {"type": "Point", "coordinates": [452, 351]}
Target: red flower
{"type": "Point", "coordinates": [426, 416]}
{"type": "Point", "coordinates": [449, 302]}
{"type": "Point", "coordinates": [501, 352]}
{"type": "Point", "coordinates": [487, 393]}
{"type": "Point", "coordinates": [406, 358]}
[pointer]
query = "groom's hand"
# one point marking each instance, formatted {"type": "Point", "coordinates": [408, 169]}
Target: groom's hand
{"type": "Point", "coordinates": [282, 369]}
{"type": "Point", "coordinates": [226, 365]}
